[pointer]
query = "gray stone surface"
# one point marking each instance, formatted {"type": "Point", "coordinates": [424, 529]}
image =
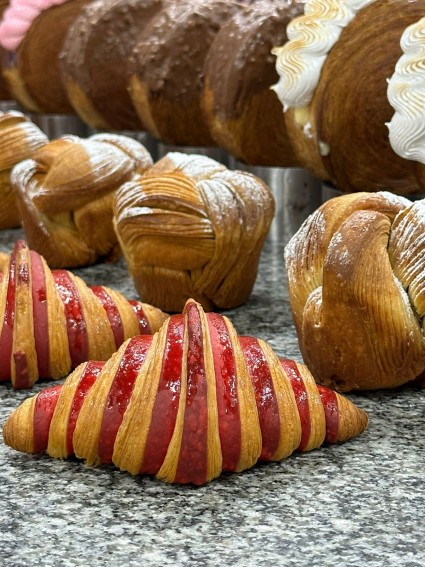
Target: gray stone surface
{"type": "Point", "coordinates": [357, 504]}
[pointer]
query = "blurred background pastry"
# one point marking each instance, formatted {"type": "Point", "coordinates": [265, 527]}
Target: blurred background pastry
{"type": "Point", "coordinates": [32, 33]}
{"type": "Point", "coordinates": [191, 228]}
{"type": "Point", "coordinates": [66, 192]}
{"type": "Point", "coordinates": [95, 59]}
{"type": "Point", "coordinates": [6, 98]}
{"type": "Point", "coordinates": [19, 138]}
{"type": "Point", "coordinates": [333, 85]}
{"type": "Point", "coordinates": [167, 71]}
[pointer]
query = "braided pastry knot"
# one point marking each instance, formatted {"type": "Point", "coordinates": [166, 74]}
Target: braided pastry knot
{"type": "Point", "coordinates": [66, 194]}
{"type": "Point", "coordinates": [186, 404]}
{"type": "Point", "coordinates": [356, 276]}
{"type": "Point", "coordinates": [19, 138]}
{"type": "Point", "coordinates": [50, 321]}
{"type": "Point", "coordinates": [191, 228]}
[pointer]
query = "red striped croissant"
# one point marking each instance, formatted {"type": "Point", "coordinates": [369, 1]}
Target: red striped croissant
{"type": "Point", "coordinates": [184, 405]}
{"type": "Point", "coordinates": [50, 321]}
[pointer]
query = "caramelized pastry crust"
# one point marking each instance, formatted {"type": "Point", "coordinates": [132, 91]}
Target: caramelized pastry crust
{"type": "Point", "coordinates": [184, 405]}
{"type": "Point", "coordinates": [19, 138]}
{"type": "Point", "coordinates": [189, 227]}
{"type": "Point", "coordinates": [357, 290]}
{"type": "Point", "coordinates": [66, 192]}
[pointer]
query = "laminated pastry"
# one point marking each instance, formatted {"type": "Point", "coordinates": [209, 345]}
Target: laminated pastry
{"type": "Point", "coordinates": [95, 59]}
{"type": "Point", "coordinates": [406, 93]}
{"type": "Point", "coordinates": [243, 114]}
{"type": "Point", "coordinates": [19, 138]}
{"type": "Point", "coordinates": [51, 321]}
{"type": "Point", "coordinates": [66, 193]}
{"type": "Point", "coordinates": [190, 227]}
{"type": "Point", "coordinates": [356, 279]}
{"type": "Point", "coordinates": [166, 73]}
{"type": "Point", "coordinates": [32, 33]}
{"type": "Point", "coordinates": [5, 93]}
{"type": "Point", "coordinates": [184, 405]}
{"type": "Point", "coordinates": [333, 85]}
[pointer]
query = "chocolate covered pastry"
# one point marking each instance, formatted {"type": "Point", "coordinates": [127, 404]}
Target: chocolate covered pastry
{"type": "Point", "coordinates": [95, 59]}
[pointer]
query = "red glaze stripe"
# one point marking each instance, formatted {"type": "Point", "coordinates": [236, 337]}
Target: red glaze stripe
{"type": "Point", "coordinates": [75, 322]}
{"type": "Point", "coordinates": [112, 312]}
{"type": "Point", "coordinates": [265, 396]}
{"type": "Point", "coordinates": [21, 381]}
{"type": "Point", "coordinates": [330, 405]}
{"type": "Point", "coordinates": [301, 397]}
{"type": "Point", "coordinates": [167, 399]}
{"type": "Point", "coordinates": [45, 405]}
{"type": "Point", "coordinates": [192, 465]}
{"type": "Point", "coordinates": [6, 338]}
{"type": "Point", "coordinates": [88, 378]}
{"type": "Point", "coordinates": [39, 309]}
{"type": "Point", "coordinates": [229, 420]}
{"type": "Point", "coordinates": [120, 393]}
{"type": "Point", "coordinates": [144, 327]}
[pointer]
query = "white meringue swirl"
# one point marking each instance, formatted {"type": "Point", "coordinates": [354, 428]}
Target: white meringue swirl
{"type": "Point", "coordinates": [310, 38]}
{"type": "Point", "coordinates": [406, 94]}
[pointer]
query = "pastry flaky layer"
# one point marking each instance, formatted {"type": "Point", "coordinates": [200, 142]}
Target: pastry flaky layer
{"type": "Point", "coordinates": [51, 321]}
{"type": "Point", "coordinates": [191, 228]}
{"type": "Point", "coordinates": [357, 290]}
{"type": "Point", "coordinates": [184, 405]}
{"type": "Point", "coordinates": [19, 138]}
{"type": "Point", "coordinates": [65, 196]}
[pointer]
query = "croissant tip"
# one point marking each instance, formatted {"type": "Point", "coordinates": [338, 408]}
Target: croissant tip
{"type": "Point", "coordinates": [18, 432]}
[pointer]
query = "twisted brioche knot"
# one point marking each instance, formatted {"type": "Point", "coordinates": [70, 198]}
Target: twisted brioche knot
{"type": "Point", "coordinates": [66, 193]}
{"type": "Point", "coordinates": [356, 276]}
{"type": "Point", "coordinates": [189, 227]}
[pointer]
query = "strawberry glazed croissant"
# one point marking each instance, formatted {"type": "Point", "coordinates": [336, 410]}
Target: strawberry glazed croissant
{"type": "Point", "coordinates": [184, 405]}
{"type": "Point", "coordinates": [50, 321]}
{"type": "Point", "coordinates": [356, 278]}
{"type": "Point", "coordinates": [190, 227]}
{"type": "Point", "coordinates": [333, 85]}
{"type": "Point", "coordinates": [66, 193]}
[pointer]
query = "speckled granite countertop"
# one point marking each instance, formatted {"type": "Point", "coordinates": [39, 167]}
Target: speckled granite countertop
{"type": "Point", "coordinates": [361, 503]}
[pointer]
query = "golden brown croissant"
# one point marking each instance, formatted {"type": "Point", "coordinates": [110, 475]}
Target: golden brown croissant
{"type": "Point", "coordinates": [356, 277]}
{"type": "Point", "coordinates": [32, 68]}
{"type": "Point", "coordinates": [337, 113]}
{"type": "Point", "coordinates": [190, 227]}
{"type": "Point", "coordinates": [65, 195]}
{"type": "Point", "coordinates": [185, 405]}
{"type": "Point", "coordinates": [50, 321]}
{"type": "Point", "coordinates": [19, 138]}
{"type": "Point", "coordinates": [167, 70]}
{"type": "Point", "coordinates": [95, 60]}
{"type": "Point", "coordinates": [243, 114]}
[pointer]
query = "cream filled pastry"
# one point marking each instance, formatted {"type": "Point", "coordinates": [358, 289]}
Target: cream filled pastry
{"type": "Point", "coordinates": [243, 114]}
{"type": "Point", "coordinates": [333, 85]}
{"type": "Point", "coordinates": [167, 73]}
{"type": "Point", "coordinates": [95, 60]}
{"type": "Point", "coordinates": [32, 32]}
{"type": "Point", "coordinates": [406, 93]}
